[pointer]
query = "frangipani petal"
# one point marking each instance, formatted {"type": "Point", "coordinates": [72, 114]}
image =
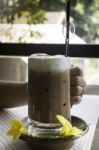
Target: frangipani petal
{"type": "Point", "coordinates": [17, 129]}
{"type": "Point", "coordinates": [23, 130]}
{"type": "Point", "coordinates": [16, 136]}
{"type": "Point", "coordinates": [76, 131]}
{"type": "Point", "coordinates": [63, 121]}
{"type": "Point", "coordinates": [16, 123]}
{"type": "Point", "coordinates": [67, 129]}
{"type": "Point", "coordinates": [10, 132]}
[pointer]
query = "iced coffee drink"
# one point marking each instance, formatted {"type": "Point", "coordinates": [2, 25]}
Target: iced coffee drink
{"type": "Point", "coordinates": [48, 88]}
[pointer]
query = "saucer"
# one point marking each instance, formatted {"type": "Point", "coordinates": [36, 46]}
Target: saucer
{"type": "Point", "coordinates": [57, 143]}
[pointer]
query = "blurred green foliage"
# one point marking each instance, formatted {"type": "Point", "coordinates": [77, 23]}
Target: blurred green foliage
{"type": "Point", "coordinates": [84, 13]}
{"type": "Point", "coordinates": [29, 10]}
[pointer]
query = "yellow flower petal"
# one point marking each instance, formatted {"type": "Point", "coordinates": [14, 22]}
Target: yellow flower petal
{"type": "Point", "coordinates": [16, 136]}
{"type": "Point", "coordinates": [10, 132]}
{"type": "Point", "coordinates": [68, 129]}
{"type": "Point", "coordinates": [16, 123]}
{"type": "Point", "coordinates": [63, 121]}
{"type": "Point", "coordinates": [65, 131]}
{"type": "Point", "coordinates": [76, 131]}
{"type": "Point", "coordinates": [23, 130]}
{"type": "Point", "coordinates": [17, 129]}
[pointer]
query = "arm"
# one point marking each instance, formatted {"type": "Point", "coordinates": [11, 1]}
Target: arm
{"type": "Point", "coordinates": [12, 94]}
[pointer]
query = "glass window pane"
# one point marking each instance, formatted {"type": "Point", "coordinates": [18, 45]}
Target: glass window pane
{"type": "Point", "coordinates": [90, 67]}
{"type": "Point", "coordinates": [40, 21]}
{"type": "Point", "coordinates": [85, 16]}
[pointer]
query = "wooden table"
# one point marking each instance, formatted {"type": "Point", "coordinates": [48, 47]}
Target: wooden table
{"type": "Point", "coordinates": [88, 110]}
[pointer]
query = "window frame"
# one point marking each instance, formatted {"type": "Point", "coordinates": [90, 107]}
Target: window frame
{"type": "Point", "coordinates": [75, 50]}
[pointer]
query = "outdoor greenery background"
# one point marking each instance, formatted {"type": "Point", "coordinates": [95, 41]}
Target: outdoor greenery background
{"type": "Point", "coordinates": [84, 14]}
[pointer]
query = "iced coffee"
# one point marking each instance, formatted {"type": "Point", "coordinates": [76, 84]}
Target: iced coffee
{"type": "Point", "coordinates": [48, 88]}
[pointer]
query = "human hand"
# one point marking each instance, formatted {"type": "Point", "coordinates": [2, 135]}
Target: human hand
{"type": "Point", "coordinates": [77, 84]}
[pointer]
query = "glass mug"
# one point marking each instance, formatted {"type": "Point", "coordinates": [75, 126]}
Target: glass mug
{"type": "Point", "coordinates": [48, 92]}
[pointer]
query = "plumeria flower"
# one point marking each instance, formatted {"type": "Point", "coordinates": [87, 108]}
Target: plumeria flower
{"type": "Point", "coordinates": [17, 129]}
{"type": "Point", "coordinates": [67, 128]}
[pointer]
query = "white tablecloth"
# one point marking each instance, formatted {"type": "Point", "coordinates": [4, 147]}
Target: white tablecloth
{"type": "Point", "coordinates": [88, 110]}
